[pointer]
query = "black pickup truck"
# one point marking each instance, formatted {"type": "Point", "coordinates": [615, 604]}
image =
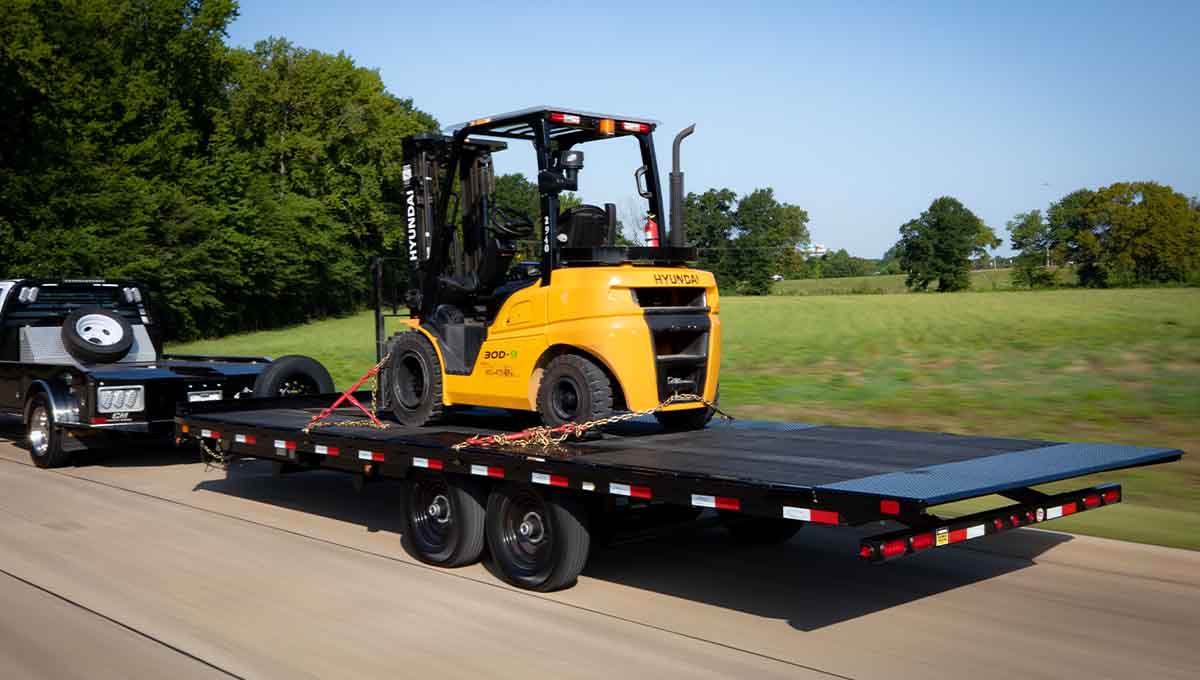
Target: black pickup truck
{"type": "Point", "coordinates": [82, 362]}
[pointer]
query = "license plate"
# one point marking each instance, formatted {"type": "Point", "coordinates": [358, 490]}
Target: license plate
{"type": "Point", "coordinates": [209, 395]}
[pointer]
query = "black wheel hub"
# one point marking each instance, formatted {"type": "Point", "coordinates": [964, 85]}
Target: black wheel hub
{"type": "Point", "coordinates": [565, 399]}
{"type": "Point", "coordinates": [412, 380]}
{"type": "Point", "coordinates": [526, 536]}
{"type": "Point", "coordinates": [433, 526]}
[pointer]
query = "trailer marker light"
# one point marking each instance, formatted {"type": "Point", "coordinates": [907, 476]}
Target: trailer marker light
{"type": "Point", "coordinates": [865, 552]}
{"type": "Point", "coordinates": [549, 480]}
{"type": "Point", "coordinates": [998, 523]}
{"type": "Point", "coordinates": [427, 463]}
{"type": "Point", "coordinates": [810, 515]}
{"type": "Point", "coordinates": [1030, 516]}
{"type": "Point", "coordinates": [629, 490]}
{"type": "Point", "coordinates": [327, 450]}
{"type": "Point", "coordinates": [183, 429]}
{"type": "Point", "coordinates": [568, 118]}
{"type": "Point", "coordinates": [244, 438]}
{"type": "Point", "coordinates": [1112, 496]}
{"type": "Point", "coordinates": [608, 126]}
{"type": "Point", "coordinates": [630, 126]}
{"type": "Point", "coordinates": [922, 541]}
{"type": "Point", "coordinates": [487, 471]}
{"type": "Point", "coordinates": [719, 502]}
{"type": "Point", "coordinates": [1092, 500]}
{"type": "Point", "coordinates": [1015, 520]}
{"type": "Point", "coordinates": [285, 445]}
{"type": "Point", "coordinates": [889, 507]}
{"type": "Point", "coordinates": [895, 547]}
{"type": "Point", "coordinates": [370, 455]}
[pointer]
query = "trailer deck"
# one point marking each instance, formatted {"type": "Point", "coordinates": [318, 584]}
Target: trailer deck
{"type": "Point", "coordinates": [812, 473]}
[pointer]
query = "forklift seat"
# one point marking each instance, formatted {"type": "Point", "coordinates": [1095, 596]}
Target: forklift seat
{"type": "Point", "coordinates": [586, 226]}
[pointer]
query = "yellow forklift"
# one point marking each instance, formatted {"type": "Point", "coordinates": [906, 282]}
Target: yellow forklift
{"type": "Point", "coordinates": [594, 327]}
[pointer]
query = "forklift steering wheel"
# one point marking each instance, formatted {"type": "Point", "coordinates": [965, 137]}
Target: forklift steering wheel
{"type": "Point", "coordinates": [511, 223]}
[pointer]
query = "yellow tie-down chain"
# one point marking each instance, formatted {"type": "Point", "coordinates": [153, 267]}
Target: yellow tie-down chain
{"type": "Point", "coordinates": [547, 437]}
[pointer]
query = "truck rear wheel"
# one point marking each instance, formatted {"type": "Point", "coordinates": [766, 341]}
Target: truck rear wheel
{"type": "Point", "coordinates": [443, 519]}
{"type": "Point", "coordinates": [412, 379]}
{"type": "Point", "coordinates": [44, 436]}
{"type": "Point", "coordinates": [573, 390]}
{"type": "Point", "coordinates": [538, 541]}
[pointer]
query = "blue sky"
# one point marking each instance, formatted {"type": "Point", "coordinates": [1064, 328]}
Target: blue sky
{"type": "Point", "coordinates": [861, 115]}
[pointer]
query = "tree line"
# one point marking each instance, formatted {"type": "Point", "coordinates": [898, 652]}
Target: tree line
{"type": "Point", "coordinates": [248, 188]}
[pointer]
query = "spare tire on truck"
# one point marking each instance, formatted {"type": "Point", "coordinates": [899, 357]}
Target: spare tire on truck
{"type": "Point", "coordinates": [96, 335]}
{"type": "Point", "coordinates": [293, 375]}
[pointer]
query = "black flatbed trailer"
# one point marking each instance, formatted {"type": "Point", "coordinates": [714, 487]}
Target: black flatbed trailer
{"type": "Point", "coordinates": [783, 473]}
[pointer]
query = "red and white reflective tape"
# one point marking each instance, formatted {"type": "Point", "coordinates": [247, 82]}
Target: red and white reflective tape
{"type": "Point", "coordinates": [629, 490]}
{"type": "Point", "coordinates": [718, 502]}
{"type": "Point", "coordinates": [1061, 510]}
{"type": "Point", "coordinates": [210, 434]}
{"type": "Point", "coordinates": [427, 463]}
{"type": "Point", "coordinates": [946, 536]}
{"type": "Point", "coordinates": [285, 445]}
{"type": "Point", "coordinates": [487, 471]}
{"type": "Point", "coordinates": [810, 515]}
{"type": "Point", "coordinates": [327, 450]}
{"type": "Point", "coordinates": [370, 455]}
{"type": "Point", "coordinates": [244, 438]}
{"type": "Point", "coordinates": [549, 480]}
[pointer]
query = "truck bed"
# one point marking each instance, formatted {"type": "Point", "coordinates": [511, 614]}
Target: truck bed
{"type": "Point", "coordinates": [823, 462]}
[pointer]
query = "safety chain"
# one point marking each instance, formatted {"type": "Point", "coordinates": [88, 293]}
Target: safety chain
{"type": "Point", "coordinates": [213, 456]}
{"type": "Point", "coordinates": [322, 419]}
{"type": "Point", "coordinates": [547, 437]}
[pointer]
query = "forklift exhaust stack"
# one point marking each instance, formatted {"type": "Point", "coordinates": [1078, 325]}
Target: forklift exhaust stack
{"type": "Point", "coordinates": [677, 237]}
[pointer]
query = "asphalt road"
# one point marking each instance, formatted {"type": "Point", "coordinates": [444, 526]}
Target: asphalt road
{"type": "Point", "coordinates": [147, 564]}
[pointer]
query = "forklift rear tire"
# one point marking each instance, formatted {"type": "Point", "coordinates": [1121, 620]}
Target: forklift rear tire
{"type": "Point", "coordinates": [538, 540]}
{"type": "Point", "coordinates": [443, 519]}
{"type": "Point", "coordinates": [413, 379]}
{"type": "Point", "coordinates": [573, 390]}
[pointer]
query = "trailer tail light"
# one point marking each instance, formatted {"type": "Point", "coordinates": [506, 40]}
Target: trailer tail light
{"type": "Point", "coordinates": [922, 541]}
{"type": "Point", "coordinates": [1092, 500]}
{"type": "Point", "coordinates": [565, 118]}
{"type": "Point", "coordinates": [894, 548]}
{"type": "Point", "coordinates": [608, 126]}
{"type": "Point", "coordinates": [1111, 496]}
{"type": "Point", "coordinates": [630, 126]}
{"type": "Point", "coordinates": [889, 507]}
{"type": "Point", "coordinates": [865, 552]}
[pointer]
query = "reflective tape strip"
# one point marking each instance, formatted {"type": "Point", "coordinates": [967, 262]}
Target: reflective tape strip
{"type": "Point", "coordinates": [549, 480]}
{"type": "Point", "coordinates": [967, 533]}
{"type": "Point", "coordinates": [1060, 510]}
{"type": "Point", "coordinates": [719, 502]}
{"type": "Point", "coordinates": [370, 455]}
{"type": "Point", "coordinates": [810, 515]}
{"type": "Point", "coordinates": [587, 486]}
{"type": "Point", "coordinates": [629, 490]}
{"type": "Point", "coordinates": [326, 450]}
{"type": "Point", "coordinates": [428, 463]}
{"type": "Point", "coordinates": [281, 444]}
{"type": "Point", "coordinates": [210, 434]}
{"type": "Point", "coordinates": [244, 438]}
{"type": "Point", "coordinates": [487, 471]}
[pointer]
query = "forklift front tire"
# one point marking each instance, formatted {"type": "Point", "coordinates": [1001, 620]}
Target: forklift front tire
{"type": "Point", "coordinates": [413, 379]}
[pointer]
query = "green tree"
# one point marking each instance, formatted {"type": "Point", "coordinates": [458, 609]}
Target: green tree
{"type": "Point", "coordinates": [937, 246]}
{"type": "Point", "coordinates": [709, 219]}
{"type": "Point", "coordinates": [1138, 233]}
{"type": "Point", "coordinates": [1031, 234]}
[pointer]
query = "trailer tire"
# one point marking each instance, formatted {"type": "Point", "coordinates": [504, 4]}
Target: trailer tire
{"type": "Point", "coordinates": [412, 379]}
{"type": "Point", "coordinates": [762, 530]}
{"type": "Point", "coordinates": [43, 435]}
{"type": "Point", "coordinates": [96, 335]}
{"type": "Point", "coordinates": [538, 541]}
{"type": "Point", "coordinates": [443, 519]}
{"type": "Point", "coordinates": [573, 390]}
{"type": "Point", "coordinates": [293, 375]}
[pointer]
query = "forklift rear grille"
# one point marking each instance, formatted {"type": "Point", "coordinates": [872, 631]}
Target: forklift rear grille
{"type": "Point", "coordinates": [670, 297]}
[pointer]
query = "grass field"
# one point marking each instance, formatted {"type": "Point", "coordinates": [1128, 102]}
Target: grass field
{"type": "Point", "coordinates": [981, 280]}
{"type": "Point", "coordinates": [1085, 365]}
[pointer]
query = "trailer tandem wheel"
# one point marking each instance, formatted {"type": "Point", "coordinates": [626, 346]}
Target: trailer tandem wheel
{"type": "Point", "coordinates": [539, 540]}
{"type": "Point", "coordinates": [443, 519]}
